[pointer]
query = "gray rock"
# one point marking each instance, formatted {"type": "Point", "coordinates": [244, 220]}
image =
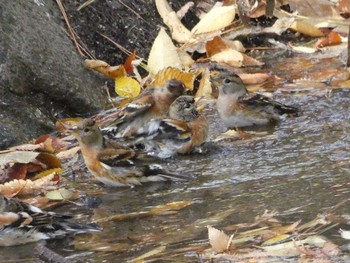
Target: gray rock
{"type": "Point", "coordinates": [42, 75]}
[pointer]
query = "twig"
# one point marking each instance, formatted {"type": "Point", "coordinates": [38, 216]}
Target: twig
{"type": "Point", "coordinates": [132, 10]}
{"type": "Point", "coordinates": [71, 31]}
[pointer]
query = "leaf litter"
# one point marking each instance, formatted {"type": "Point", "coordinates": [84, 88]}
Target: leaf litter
{"type": "Point", "coordinates": [31, 169]}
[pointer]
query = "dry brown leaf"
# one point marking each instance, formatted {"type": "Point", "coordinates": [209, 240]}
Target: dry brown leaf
{"type": "Point", "coordinates": [229, 56]}
{"type": "Point", "coordinates": [51, 144]}
{"type": "Point", "coordinates": [68, 154]}
{"type": "Point", "coordinates": [178, 31]}
{"type": "Point", "coordinates": [105, 69]}
{"type": "Point", "coordinates": [163, 54]}
{"type": "Point", "coordinates": [21, 187]}
{"type": "Point", "coordinates": [166, 74]}
{"type": "Point", "coordinates": [25, 147]}
{"type": "Point", "coordinates": [251, 62]}
{"type": "Point", "coordinates": [218, 239]}
{"type": "Point", "coordinates": [62, 125]}
{"type": "Point", "coordinates": [306, 29]}
{"type": "Point", "coordinates": [333, 38]}
{"type": "Point", "coordinates": [254, 78]}
{"type": "Point", "coordinates": [129, 67]}
{"type": "Point", "coordinates": [217, 18]}
{"type": "Point", "coordinates": [216, 45]}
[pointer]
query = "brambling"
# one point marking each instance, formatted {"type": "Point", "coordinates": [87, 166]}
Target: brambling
{"type": "Point", "coordinates": [181, 133]}
{"type": "Point", "coordinates": [238, 108]}
{"type": "Point", "coordinates": [151, 103]}
{"type": "Point", "coordinates": [22, 223]}
{"type": "Point", "coordinates": [113, 164]}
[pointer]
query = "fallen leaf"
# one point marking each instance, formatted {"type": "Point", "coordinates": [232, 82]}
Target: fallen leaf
{"type": "Point", "coordinates": [163, 54]}
{"type": "Point", "coordinates": [51, 144]}
{"type": "Point", "coordinates": [217, 18]}
{"type": "Point", "coordinates": [178, 31]}
{"type": "Point", "coordinates": [333, 38]}
{"type": "Point", "coordinates": [17, 157]}
{"type": "Point", "coordinates": [344, 233]}
{"type": "Point", "coordinates": [254, 78]}
{"type": "Point", "coordinates": [166, 74]}
{"type": "Point", "coordinates": [229, 56]}
{"type": "Point", "coordinates": [105, 69]}
{"type": "Point", "coordinates": [127, 87]}
{"type": "Point", "coordinates": [21, 187]}
{"type": "Point", "coordinates": [204, 89]}
{"type": "Point", "coordinates": [68, 154]}
{"type": "Point", "coordinates": [128, 65]}
{"type": "Point", "coordinates": [306, 29]}
{"type": "Point", "coordinates": [218, 239]}
{"type": "Point", "coordinates": [60, 194]}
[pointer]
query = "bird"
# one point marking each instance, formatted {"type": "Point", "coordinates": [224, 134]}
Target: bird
{"type": "Point", "coordinates": [151, 103]}
{"type": "Point", "coordinates": [114, 164]}
{"type": "Point", "coordinates": [183, 131]}
{"type": "Point", "coordinates": [22, 223]}
{"type": "Point", "coordinates": [239, 108]}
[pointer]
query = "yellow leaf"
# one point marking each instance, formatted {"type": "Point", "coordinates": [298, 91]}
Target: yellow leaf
{"type": "Point", "coordinates": [60, 194]}
{"type": "Point", "coordinates": [47, 172]}
{"type": "Point", "coordinates": [105, 69]}
{"type": "Point", "coordinates": [306, 29]}
{"type": "Point", "coordinates": [127, 87]}
{"type": "Point", "coordinates": [164, 75]}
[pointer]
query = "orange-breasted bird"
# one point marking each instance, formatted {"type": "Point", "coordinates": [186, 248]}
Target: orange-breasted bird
{"type": "Point", "coordinates": [239, 108]}
{"type": "Point", "coordinates": [22, 223]}
{"type": "Point", "coordinates": [151, 103]}
{"type": "Point", "coordinates": [181, 132]}
{"type": "Point", "coordinates": [113, 164]}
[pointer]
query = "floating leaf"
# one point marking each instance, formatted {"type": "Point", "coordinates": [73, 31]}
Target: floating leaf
{"type": "Point", "coordinates": [127, 87]}
{"type": "Point", "coordinates": [105, 69]}
{"type": "Point", "coordinates": [333, 38]}
{"type": "Point", "coordinates": [306, 29]}
{"type": "Point", "coordinates": [164, 75]}
{"type": "Point", "coordinates": [217, 18]}
{"type": "Point", "coordinates": [163, 54]}
{"type": "Point", "coordinates": [60, 194]}
{"type": "Point", "coordinates": [218, 239]}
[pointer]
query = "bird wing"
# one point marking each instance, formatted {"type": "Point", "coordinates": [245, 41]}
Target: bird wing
{"type": "Point", "coordinates": [135, 108]}
{"type": "Point", "coordinates": [263, 103]}
{"type": "Point", "coordinates": [116, 157]}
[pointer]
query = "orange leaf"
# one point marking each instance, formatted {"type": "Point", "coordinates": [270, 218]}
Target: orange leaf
{"type": "Point", "coordinates": [333, 38]}
{"type": "Point", "coordinates": [51, 143]}
{"type": "Point", "coordinates": [216, 45]}
{"type": "Point", "coordinates": [105, 69]}
{"type": "Point", "coordinates": [127, 65]}
{"type": "Point", "coordinates": [164, 75]}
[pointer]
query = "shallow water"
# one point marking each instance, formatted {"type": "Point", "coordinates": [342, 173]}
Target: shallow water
{"type": "Point", "coordinates": [292, 170]}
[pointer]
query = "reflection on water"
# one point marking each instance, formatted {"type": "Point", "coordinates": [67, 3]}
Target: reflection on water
{"type": "Point", "coordinates": [294, 167]}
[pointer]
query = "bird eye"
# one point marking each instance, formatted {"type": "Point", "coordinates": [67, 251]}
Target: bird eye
{"type": "Point", "coordinates": [227, 81]}
{"type": "Point", "coordinates": [86, 130]}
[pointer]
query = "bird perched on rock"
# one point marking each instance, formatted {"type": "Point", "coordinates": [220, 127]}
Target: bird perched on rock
{"type": "Point", "coordinates": [150, 104]}
{"type": "Point", "coordinates": [22, 223]}
{"type": "Point", "coordinates": [114, 164]}
{"type": "Point", "coordinates": [238, 108]}
{"type": "Point", "coordinates": [183, 131]}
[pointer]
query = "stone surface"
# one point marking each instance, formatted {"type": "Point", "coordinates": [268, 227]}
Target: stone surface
{"type": "Point", "coordinates": [42, 75]}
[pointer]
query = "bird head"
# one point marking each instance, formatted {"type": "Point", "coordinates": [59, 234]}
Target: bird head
{"type": "Point", "coordinates": [88, 133]}
{"type": "Point", "coordinates": [175, 87]}
{"type": "Point", "coordinates": [229, 83]}
{"type": "Point", "coordinates": [184, 109]}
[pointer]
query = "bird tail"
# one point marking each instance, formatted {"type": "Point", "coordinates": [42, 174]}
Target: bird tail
{"type": "Point", "coordinates": [159, 173]}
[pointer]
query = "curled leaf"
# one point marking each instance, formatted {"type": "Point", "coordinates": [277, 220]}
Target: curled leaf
{"type": "Point", "coordinates": [105, 69]}
{"type": "Point", "coordinates": [164, 75]}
